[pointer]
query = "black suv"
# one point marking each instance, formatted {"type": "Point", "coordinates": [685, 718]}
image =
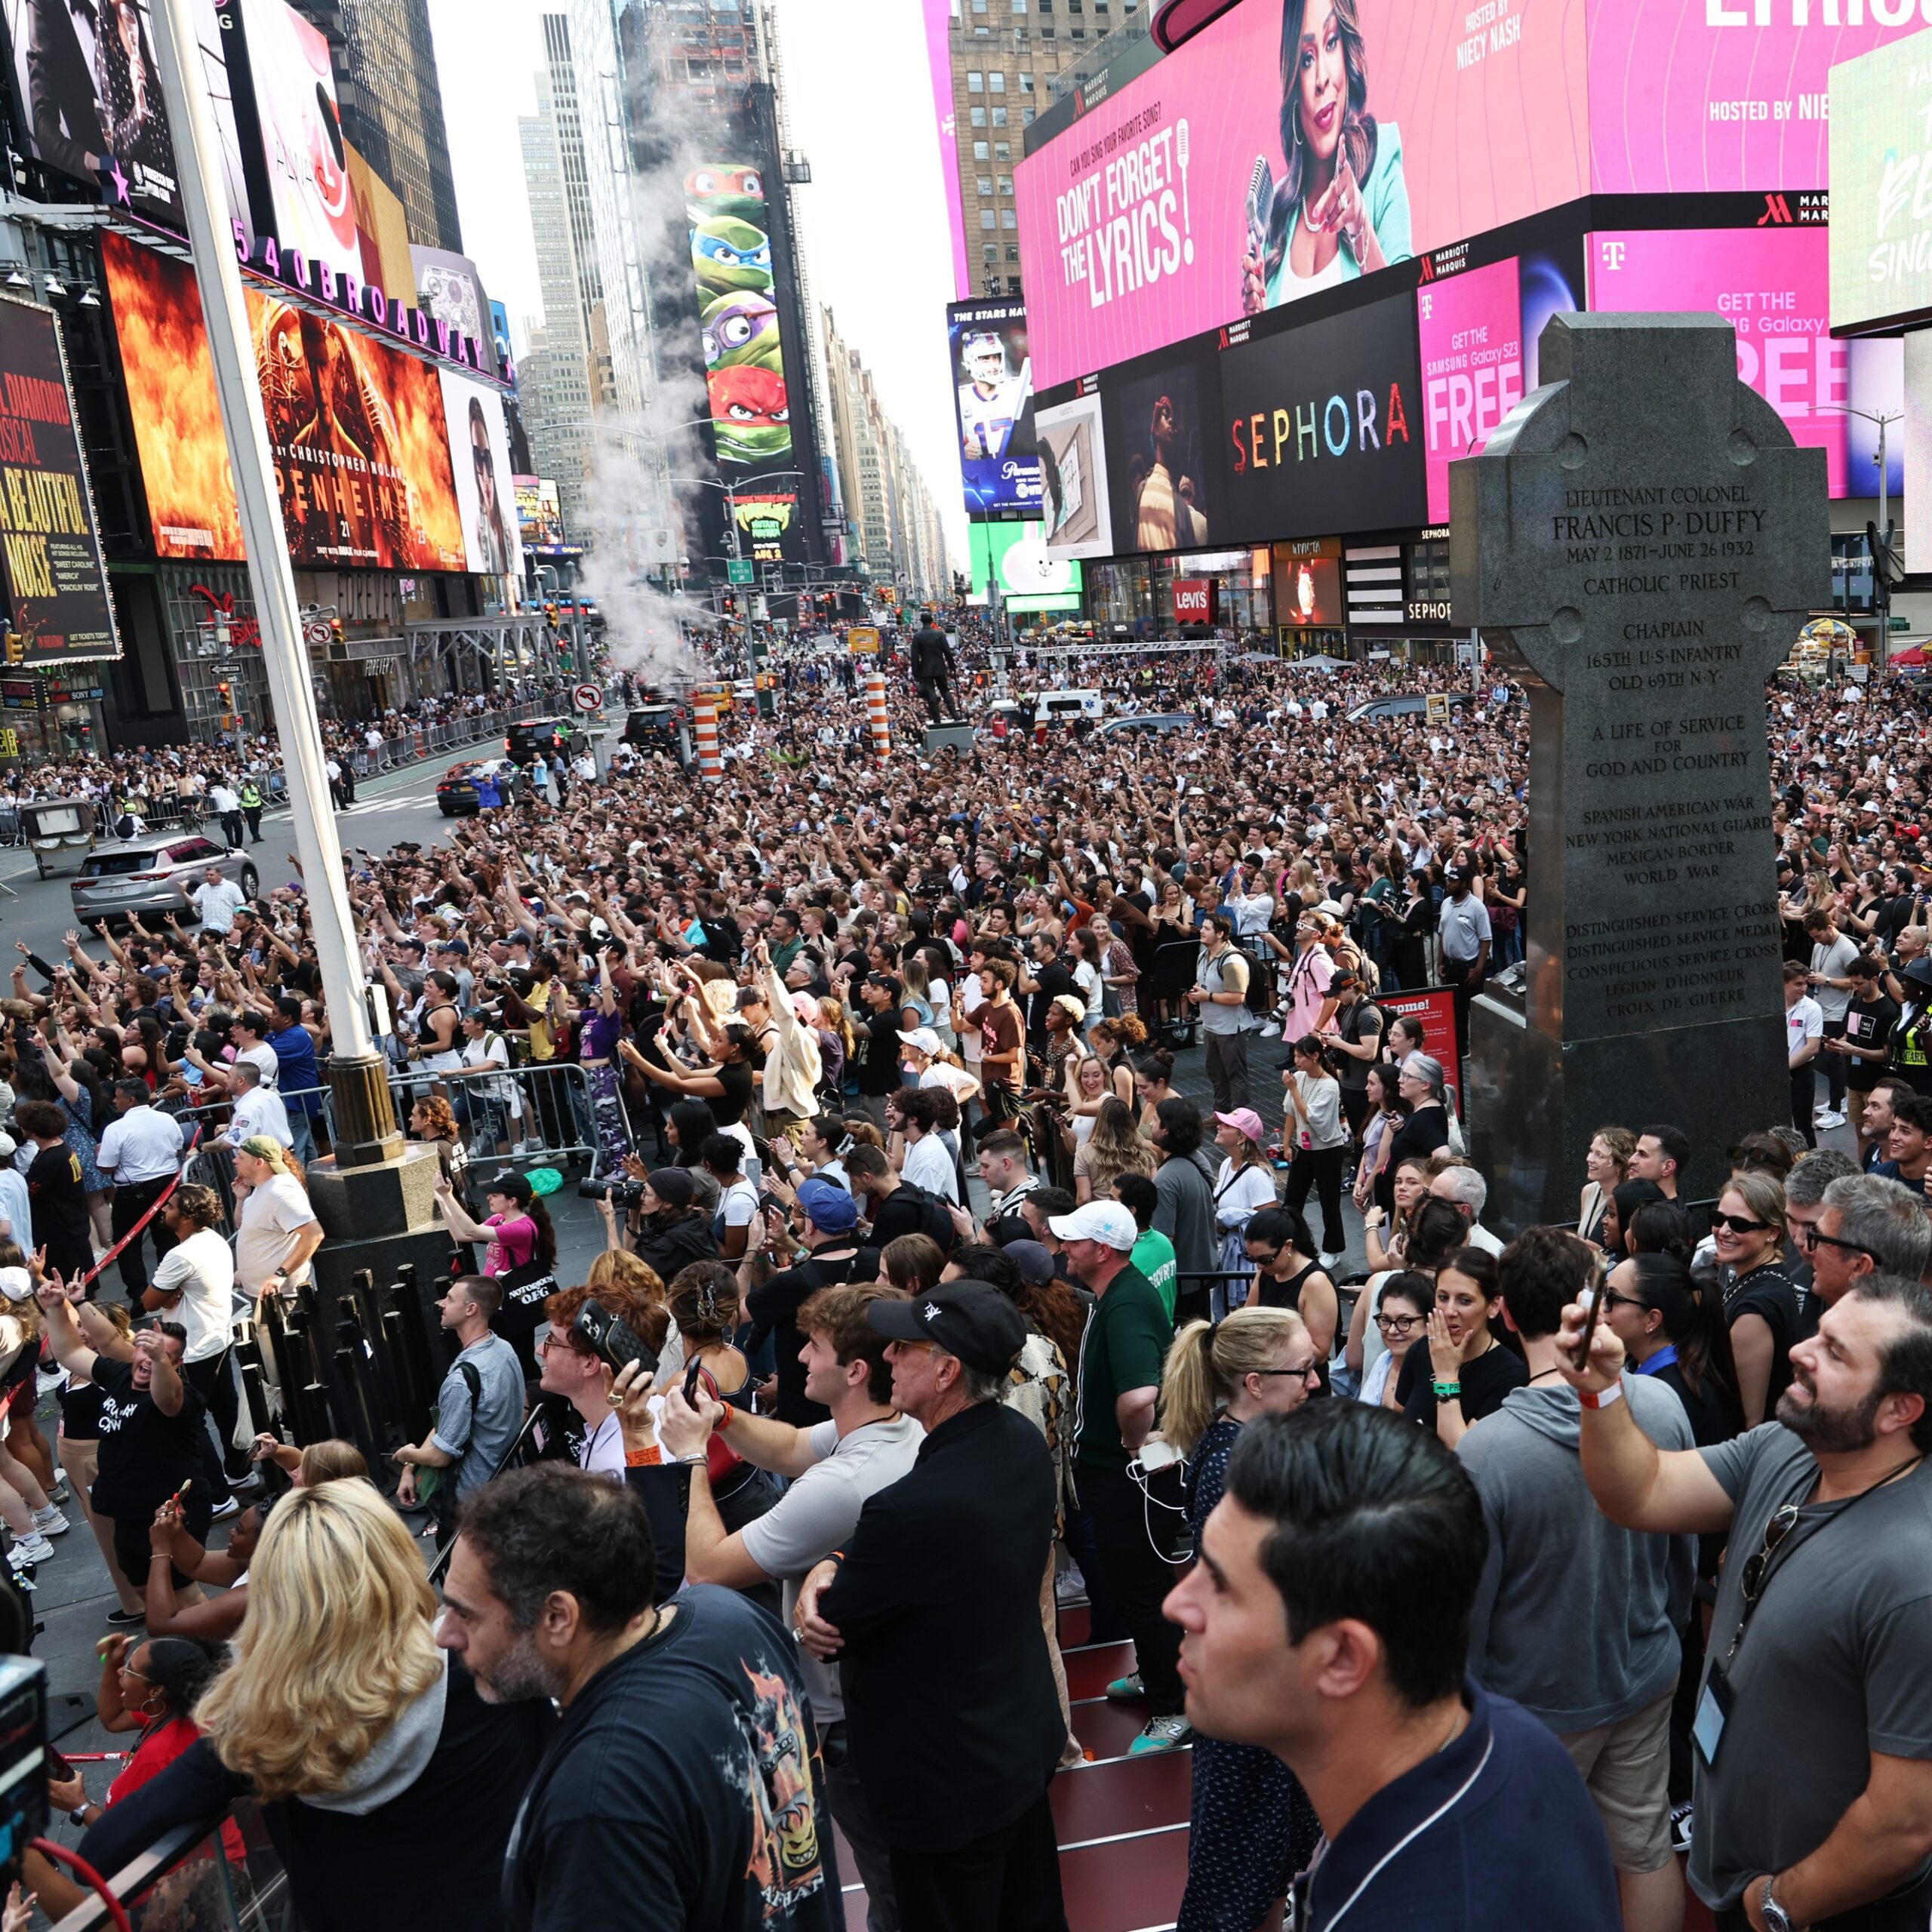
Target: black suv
{"type": "Point", "coordinates": [550, 736]}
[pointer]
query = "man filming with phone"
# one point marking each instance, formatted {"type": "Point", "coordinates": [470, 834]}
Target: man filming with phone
{"type": "Point", "coordinates": [831, 1469]}
{"type": "Point", "coordinates": [1813, 1757]}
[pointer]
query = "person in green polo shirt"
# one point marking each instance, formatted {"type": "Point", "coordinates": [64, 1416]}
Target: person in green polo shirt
{"type": "Point", "coordinates": [1153, 1254]}
{"type": "Point", "coordinates": [1121, 1357]}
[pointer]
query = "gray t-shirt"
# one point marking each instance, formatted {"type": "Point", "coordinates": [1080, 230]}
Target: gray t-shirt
{"type": "Point", "coordinates": [817, 1515]}
{"type": "Point", "coordinates": [1185, 1213]}
{"type": "Point", "coordinates": [481, 1441]}
{"type": "Point", "coordinates": [1831, 1668]}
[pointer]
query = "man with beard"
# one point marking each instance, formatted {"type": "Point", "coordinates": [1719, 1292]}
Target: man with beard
{"type": "Point", "coordinates": [1822, 1625]}
{"type": "Point", "coordinates": [678, 1790]}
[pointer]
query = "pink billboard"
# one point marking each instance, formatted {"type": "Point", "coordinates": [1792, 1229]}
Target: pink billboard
{"type": "Point", "coordinates": [1470, 328]}
{"type": "Point", "coordinates": [1285, 149]}
{"type": "Point", "coordinates": [1772, 284]}
{"type": "Point", "coordinates": [1690, 96]}
{"type": "Point", "coordinates": [939, 28]}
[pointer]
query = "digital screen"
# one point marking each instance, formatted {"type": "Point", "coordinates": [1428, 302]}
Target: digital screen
{"type": "Point", "coordinates": [1470, 329]}
{"type": "Point", "coordinates": [1323, 427]}
{"type": "Point", "coordinates": [1161, 443]}
{"type": "Point", "coordinates": [744, 351]}
{"type": "Point", "coordinates": [992, 395]}
{"type": "Point", "coordinates": [448, 288]}
{"type": "Point", "coordinates": [540, 515]}
{"type": "Point", "coordinates": [485, 486]}
{"type": "Point", "coordinates": [1308, 583]}
{"type": "Point", "coordinates": [57, 587]}
{"type": "Point", "coordinates": [1290, 146]}
{"type": "Point", "coordinates": [305, 198]}
{"type": "Point", "coordinates": [1073, 479]}
{"type": "Point", "coordinates": [1014, 556]}
{"type": "Point", "coordinates": [1687, 96]}
{"type": "Point", "coordinates": [92, 103]}
{"type": "Point", "coordinates": [1772, 285]}
{"type": "Point", "coordinates": [361, 443]}
{"type": "Point", "coordinates": [1881, 211]}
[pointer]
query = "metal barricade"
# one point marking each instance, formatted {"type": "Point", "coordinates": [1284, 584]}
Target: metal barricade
{"type": "Point", "coordinates": [555, 1117]}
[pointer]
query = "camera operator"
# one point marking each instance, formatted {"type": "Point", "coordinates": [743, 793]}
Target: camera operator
{"type": "Point", "coordinates": [679, 1790]}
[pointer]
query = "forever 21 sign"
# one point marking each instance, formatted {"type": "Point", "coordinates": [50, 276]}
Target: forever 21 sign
{"type": "Point", "coordinates": [1322, 432]}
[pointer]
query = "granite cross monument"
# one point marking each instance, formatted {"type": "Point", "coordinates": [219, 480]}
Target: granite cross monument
{"type": "Point", "coordinates": [1640, 543]}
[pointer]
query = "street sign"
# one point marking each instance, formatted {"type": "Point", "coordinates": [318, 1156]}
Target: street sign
{"type": "Point", "coordinates": [587, 697]}
{"type": "Point", "coordinates": [317, 633]}
{"type": "Point", "coordinates": [860, 641]}
{"type": "Point", "coordinates": [740, 570]}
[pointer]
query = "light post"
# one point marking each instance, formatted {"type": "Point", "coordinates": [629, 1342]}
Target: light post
{"type": "Point", "coordinates": [1881, 550]}
{"type": "Point", "coordinates": [365, 1128]}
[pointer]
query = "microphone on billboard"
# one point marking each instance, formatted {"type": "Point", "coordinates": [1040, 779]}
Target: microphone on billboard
{"type": "Point", "coordinates": [1260, 199]}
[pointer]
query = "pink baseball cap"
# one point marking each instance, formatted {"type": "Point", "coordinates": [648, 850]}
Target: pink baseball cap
{"type": "Point", "coordinates": [1245, 1121]}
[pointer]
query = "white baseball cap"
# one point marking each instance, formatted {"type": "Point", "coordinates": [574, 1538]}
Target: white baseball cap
{"type": "Point", "coordinates": [1106, 1221]}
{"type": "Point", "coordinates": [923, 1038]}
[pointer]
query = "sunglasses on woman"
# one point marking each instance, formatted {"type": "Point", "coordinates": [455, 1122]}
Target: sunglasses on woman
{"type": "Point", "coordinates": [1738, 1224]}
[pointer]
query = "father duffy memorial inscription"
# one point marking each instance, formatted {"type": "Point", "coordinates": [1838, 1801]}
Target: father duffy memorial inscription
{"type": "Point", "coordinates": [1640, 542]}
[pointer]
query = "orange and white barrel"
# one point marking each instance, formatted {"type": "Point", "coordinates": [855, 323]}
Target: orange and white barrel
{"type": "Point", "coordinates": [875, 713]}
{"type": "Point", "coordinates": [704, 720]}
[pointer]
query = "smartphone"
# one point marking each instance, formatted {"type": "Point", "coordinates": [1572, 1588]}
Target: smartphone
{"type": "Point", "coordinates": [612, 1338]}
{"type": "Point", "coordinates": [694, 1373]}
{"type": "Point", "coordinates": [1593, 1305]}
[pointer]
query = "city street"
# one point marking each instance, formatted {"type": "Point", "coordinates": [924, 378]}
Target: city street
{"type": "Point", "coordinates": [399, 806]}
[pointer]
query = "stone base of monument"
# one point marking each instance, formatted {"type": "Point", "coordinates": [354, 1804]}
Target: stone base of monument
{"type": "Point", "coordinates": [1533, 1103]}
{"type": "Point", "coordinates": [953, 737]}
{"type": "Point", "coordinates": [378, 1217]}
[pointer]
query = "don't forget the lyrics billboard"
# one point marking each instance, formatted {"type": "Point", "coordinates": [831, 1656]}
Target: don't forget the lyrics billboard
{"type": "Point", "coordinates": [1293, 145]}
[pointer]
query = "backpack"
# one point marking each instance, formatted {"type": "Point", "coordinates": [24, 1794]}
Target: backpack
{"type": "Point", "coordinates": [934, 1219]}
{"type": "Point", "coordinates": [437, 1487]}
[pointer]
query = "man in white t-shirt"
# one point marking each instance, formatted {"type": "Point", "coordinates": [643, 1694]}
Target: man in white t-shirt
{"type": "Point", "coordinates": [928, 1163]}
{"type": "Point", "coordinates": [831, 1469]}
{"type": "Point", "coordinates": [194, 1283]}
{"type": "Point", "coordinates": [1804, 1039]}
{"type": "Point", "coordinates": [276, 1230]}
{"type": "Point", "coordinates": [257, 1110]}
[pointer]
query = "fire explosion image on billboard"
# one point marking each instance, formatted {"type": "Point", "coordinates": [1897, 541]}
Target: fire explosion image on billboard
{"type": "Point", "coordinates": [171, 394]}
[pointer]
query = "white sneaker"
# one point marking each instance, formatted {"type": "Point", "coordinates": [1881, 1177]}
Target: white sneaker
{"type": "Point", "coordinates": [1831, 1120]}
{"type": "Point", "coordinates": [1271, 1032]}
{"type": "Point", "coordinates": [28, 1550]}
{"type": "Point", "coordinates": [50, 1522]}
{"type": "Point", "coordinates": [1329, 1263]}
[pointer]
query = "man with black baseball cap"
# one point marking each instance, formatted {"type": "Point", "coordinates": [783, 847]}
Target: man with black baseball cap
{"type": "Point", "coordinates": [933, 1611]}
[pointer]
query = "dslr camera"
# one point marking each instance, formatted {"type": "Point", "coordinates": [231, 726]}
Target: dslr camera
{"type": "Point", "coordinates": [623, 1195]}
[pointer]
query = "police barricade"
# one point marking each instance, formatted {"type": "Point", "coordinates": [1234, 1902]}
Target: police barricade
{"type": "Point", "coordinates": [542, 1111]}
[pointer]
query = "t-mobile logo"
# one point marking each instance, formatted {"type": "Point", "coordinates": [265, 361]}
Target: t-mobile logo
{"type": "Point", "coordinates": [1613, 254]}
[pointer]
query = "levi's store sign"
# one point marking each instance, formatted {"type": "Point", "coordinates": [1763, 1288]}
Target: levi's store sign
{"type": "Point", "coordinates": [1194, 600]}
{"type": "Point", "coordinates": [1323, 429]}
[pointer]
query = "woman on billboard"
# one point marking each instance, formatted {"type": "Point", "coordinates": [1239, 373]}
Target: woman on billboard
{"type": "Point", "coordinates": [1342, 206]}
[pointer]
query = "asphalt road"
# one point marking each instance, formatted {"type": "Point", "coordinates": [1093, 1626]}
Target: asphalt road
{"type": "Point", "coordinates": [400, 805]}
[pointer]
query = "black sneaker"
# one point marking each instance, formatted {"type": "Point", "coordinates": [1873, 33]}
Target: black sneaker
{"type": "Point", "coordinates": [127, 1620]}
{"type": "Point", "coordinates": [1680, 1828]}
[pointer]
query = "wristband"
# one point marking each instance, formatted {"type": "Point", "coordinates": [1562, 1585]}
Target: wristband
{"type": "Point", "coordinates": [725, 1420]}
{"type": "Point", "coordinates": [643, 1459]}
{"type": "Point", "coordinates": [1446, 1391]}
{"type": "Point", "coordinates": [693, 1462]}
{"type": "Point", "coordinates": [1600, 1398]}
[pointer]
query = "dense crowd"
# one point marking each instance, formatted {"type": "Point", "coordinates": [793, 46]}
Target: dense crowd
{"type": "Point", "coordinates": [937, 1322]}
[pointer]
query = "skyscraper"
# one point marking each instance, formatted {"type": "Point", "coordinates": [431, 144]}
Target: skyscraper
{"type": "Point", "coordinates": [392, 104]}
{"type": "Point", "coordinates": [1010, 57]}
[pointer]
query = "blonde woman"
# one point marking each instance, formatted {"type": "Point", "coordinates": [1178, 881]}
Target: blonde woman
{"type": "Point", "coordinates": [1253, 1827]}
{"type": "Point", "coordinates": [389, 1786]}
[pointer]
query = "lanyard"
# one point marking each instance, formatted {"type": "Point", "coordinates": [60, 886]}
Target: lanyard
{"type": "Point", "coordinates": [1790, 1543]}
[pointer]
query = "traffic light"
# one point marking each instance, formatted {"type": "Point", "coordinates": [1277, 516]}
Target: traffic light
{"type": "Point", "coordinates": [336, 631]}
{"type": "Point", "coordinates": [550, 616]}
{"type": "Point", "coordinates": [16, 649]}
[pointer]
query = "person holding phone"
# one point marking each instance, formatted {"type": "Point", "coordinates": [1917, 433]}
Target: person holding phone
{"type": "Point", "coordinates": [572, 1370]}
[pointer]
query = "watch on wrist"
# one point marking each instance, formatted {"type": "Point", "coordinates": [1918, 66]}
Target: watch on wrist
{"type": "Point", "coordinates": [1776, 1919]}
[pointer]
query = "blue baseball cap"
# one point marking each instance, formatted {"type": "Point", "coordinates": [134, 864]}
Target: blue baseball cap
{"type": "Point", "coordinates": [829, 1208]}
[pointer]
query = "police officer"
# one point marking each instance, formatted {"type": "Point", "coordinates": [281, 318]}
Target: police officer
{"type": "Point", "coordinates": [1911, 1057]}
{"type": "Point", "coordinates": [250, 795]}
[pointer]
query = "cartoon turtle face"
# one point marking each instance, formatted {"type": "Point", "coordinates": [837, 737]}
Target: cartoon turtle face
{"type": "Point", "coordinates": [725, 188]}
{"type": "Point", "coordinates": [739, 329]}
{"type": "Point", "coordinates": [751, 414]}
{"type": "Point", "coordinates": [729, 255]}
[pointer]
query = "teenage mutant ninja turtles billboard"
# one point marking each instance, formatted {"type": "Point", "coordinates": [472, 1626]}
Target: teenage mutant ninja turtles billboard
{"type": "Point", "coordinates": [744, 353]}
